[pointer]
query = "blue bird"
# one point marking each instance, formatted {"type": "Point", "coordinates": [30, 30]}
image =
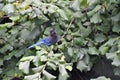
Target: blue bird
{"type": "Point", "coordinates": [48, 41]}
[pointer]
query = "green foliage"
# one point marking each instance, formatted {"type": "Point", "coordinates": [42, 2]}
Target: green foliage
{"type": "Point", "coordinates": [91, 28]}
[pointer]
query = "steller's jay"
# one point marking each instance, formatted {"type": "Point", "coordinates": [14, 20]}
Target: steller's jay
{"type": "Point", "coordinates": [48, 41]}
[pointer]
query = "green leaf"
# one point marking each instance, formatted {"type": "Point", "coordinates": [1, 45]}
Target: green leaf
{"type": "Point", "coordinates": [83, 31]}
{"type": "Point", "coordinates": [36, 2]}
{"type": "Point", "coordinates": [110, 42]}
{"type": "Point", "coordinates": [9, 8]}
{"type": "Point", "coordinates": [91, 13]}
{"type": "Point", "coordinates": [24, 34]}
{"type": "Point", "coordinates": [38, 69]}
{"type": "Point", "coordinates": [24, 66]}
{"type": "Point", "coordinates": [116, 18]}
{"type": "Point", "coordinates": [29, 58]}
{"type": "Point", "coordinates": [104, 28]}
{"type": "Point", "coordinates": [69, 68]}
{"type": "Point", "coordinates": [116, 28]}
{"type": "Point", "coordinates": [53, 66]}
{"type": "Point", "coordinates": [11, 0]}
{"type": "Point", "coordinates": [117, 71]}
{"type": "Point", "coordinates": [111, 55]}
{"type": "Point", "coordinates": [83, 62]}
{"type": "Point", "coordinates": [99, 37]}
{"type": "Point", "coordinates": [62, 14]}
{"type": "Point", "coordinates": [41, 52]}
{"type": "Point", "coordinates": [33, 77]}
{"type": "Point", "coordinates": [58, 55]}
{"type": "Point", "coordinates": [101, 78]}
{"type": "Point", "coordinates": [48, 75]}
{"type": "Point", "coordinates": [79, 41]}
{"type": "Point", "coordinates": [36, 60]}
{"type": "Point", "coordinates": [93, 51]}
{"type": "Point", "coordinates": [14, 31]}
{"type": "Point", "coordinates": [19, 53]}
{"type": "Point", "coordinates": [15, 18]}
{"type": "Point", "coordinates": [63, 75]}
{"type": "Point", "coordinates": [8, 57]}
{"type": "Point", "coordinates": [70, 52]}
{"type": "Point", "coordinates": [103, 49]}
{"type": "Point", "coordinates": [96, 18]}
{"type": "Point", "coordinates": [78, 14]}
{"type": "Point", "coordinates": [81, 65]}
{"type": "Point", "coordinates": [7, 25]}
{"type": "Point", "coordinates": [91, 2]}
{"type": "Point", "coordinates": [25, 4]}
{"type": "Point", "coordinates": [116, 61]}
{"type": "Point", "coordinates": [0, 70]}
{"type": "Point", "coordinates": [1, 61]}
{"type": "Point", "coordinates": [98, 7]}
{"type": "Point", "coordinates": [83, 3]}
{"type": "Point", "coordinates": [76, 5]}
{"type": "Point", "coordinates": [5, 48]}
{"type": "Point", "coordinates": [43, 58]}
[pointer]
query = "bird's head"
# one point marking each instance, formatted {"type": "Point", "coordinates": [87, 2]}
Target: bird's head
{"type": "Point", "coordinates": [52, 32]}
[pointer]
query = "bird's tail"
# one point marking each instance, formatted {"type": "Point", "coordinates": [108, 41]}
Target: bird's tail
{"type": "Point", "coordinates": [37, 44]}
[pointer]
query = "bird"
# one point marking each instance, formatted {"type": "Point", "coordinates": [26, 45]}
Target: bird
{"type": "Point", "coordinates": [48, 41]}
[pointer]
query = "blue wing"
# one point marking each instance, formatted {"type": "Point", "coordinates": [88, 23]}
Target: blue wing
{"type": "Point", "coordinates": [38, 43]}
{"type": "Point", "coordinates": [45, 41]}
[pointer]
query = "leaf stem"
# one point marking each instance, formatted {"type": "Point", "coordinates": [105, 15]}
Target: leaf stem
{"type": "Point", "coordinates": [70, 24]}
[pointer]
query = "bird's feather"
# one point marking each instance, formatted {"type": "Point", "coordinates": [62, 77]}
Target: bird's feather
{"type": "Point", "coordinates": [50, 40]}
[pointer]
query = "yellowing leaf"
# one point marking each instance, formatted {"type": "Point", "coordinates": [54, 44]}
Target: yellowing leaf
{"type": "Point", "coordinates": [63, 58]}
{"type": "Point", "coordinates": [15, 18]}
{"type": "Point", "coordinates": [69, 68]}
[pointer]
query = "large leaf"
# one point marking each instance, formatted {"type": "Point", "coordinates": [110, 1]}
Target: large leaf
{"type": "Point", "coordinates": [92, 12]}
{"type": "Point", "coordinates": [38, 69]}
{"type": "Point", "coordinates": [83, 62]}
{"type": "Point", "coordinates": [52, 65]}
{"type": "Point", "coordinates": [24, 66]}
{"type": "Point", "coordinates": [76, 5]}
{"type": "Point", "coordinates": [116, 61]}
{"type": "Point", "coordinates": [92, 2]}
{"type": "Point", "coordinates": [63, 73]}
{"type": "Point", "coordinates": [9, 8]}
{"type": "Point", "coordinates": [117, 71]}
{"type": "Point", "coordinates": [116, 28]}
{"type": "Point", "coordinates": [83, 3]}
{"type": "Point", "coordinates": [48, 75]}
{"type": "Point", "coordinates": [93, 51]}
{"type": "Point", "coordinates": [33, 77]}
{"type": "Point", "coordinates": [111, 55]}
{"type": "Point", "coordinates": [83, 31]}
{"type": "Point", "coordinates": [62, 14]}
{"type": "Point", "coordinates": [99, 37]}
{"type": "Point", "coordinates": [116, 18]}
{"type": "Point", "coordinates": [81, 65]}
{"type": "Point", "coordinates": [96, 18]}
